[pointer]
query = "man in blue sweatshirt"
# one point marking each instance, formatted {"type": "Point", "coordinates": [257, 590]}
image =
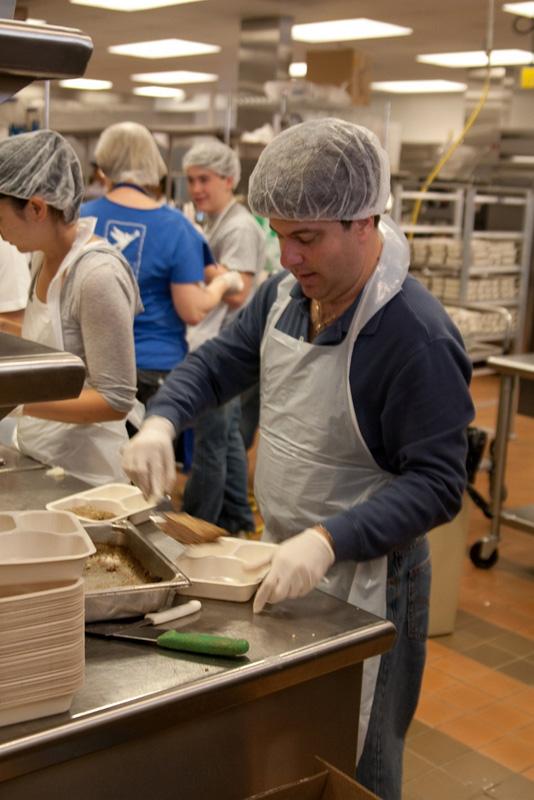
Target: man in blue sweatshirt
{"type": "Point", "coordinates": [364, 410]}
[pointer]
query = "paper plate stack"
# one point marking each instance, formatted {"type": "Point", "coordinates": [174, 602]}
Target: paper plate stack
{"type": "Point", "coordinates": [42, 555]}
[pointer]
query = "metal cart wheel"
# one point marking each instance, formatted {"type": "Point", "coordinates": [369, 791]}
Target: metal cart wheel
{"type": "Point", "coordinates": [480, 557]}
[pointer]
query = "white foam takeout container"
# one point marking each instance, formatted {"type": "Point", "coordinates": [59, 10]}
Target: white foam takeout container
{"type": "Point", "coordinates": [227, 569]}
{"type": "Point", "coordinates": [41, 547]}
{"type": "Point", "coordinates": [121, 499]}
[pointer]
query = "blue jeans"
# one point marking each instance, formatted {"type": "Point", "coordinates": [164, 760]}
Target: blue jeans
{"type": "Point", "coordinates": [217, 487]}
{"type": "Point", "coordinates": [400, 673]}
{"type": "Point", "coordinates": [148, 383]}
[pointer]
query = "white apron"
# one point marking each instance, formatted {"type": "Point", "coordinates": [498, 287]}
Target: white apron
{"type": "Point", "coordinates": [212, 322]}
{"type": "Point", "coordinates": [312, 460]}
{"type": "Point", "coordinates": [90, 452]}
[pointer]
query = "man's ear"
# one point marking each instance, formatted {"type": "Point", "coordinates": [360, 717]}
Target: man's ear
{"type": "Point", "coordinates": [36, 208]}
{"type": "Point", "coordinates": [229, 183]}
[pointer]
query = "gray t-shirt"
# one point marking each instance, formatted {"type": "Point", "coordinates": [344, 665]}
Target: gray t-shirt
{"type": "Point", "coordinates": [99, 299]}
{"type": "Point", "coordinates": [237, 241]}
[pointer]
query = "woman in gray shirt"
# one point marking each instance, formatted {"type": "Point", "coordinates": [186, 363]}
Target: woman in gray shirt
{"type": "Point", "coordinates": [83, 299]}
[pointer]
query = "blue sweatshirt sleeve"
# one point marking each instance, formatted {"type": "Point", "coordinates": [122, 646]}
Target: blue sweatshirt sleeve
{"type": "Point", "coordinates": [424, 422]}
{"type": "Point", "coordinates": [221, 368]}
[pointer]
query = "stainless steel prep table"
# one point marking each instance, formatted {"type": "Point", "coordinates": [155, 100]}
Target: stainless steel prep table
{"type": "Point", "coordinates": [510, 368]}
{"type": "Point", "coordinates": [171, 725]}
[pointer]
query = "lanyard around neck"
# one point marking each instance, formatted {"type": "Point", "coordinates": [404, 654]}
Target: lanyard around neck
{"type": "Point", "coordinates": [125, 185]}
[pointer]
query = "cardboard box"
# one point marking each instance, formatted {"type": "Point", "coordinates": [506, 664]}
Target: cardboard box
{"type": "Point", "coordinates": [338, 68]}
{"type": "Point", "coordinates": [328, 784]}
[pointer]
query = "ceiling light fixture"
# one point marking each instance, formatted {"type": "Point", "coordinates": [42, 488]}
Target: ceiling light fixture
{"type": "Point", "coordinates": [86, 84]}
{"type": "Point", "coordinates": [346, 30]}
{"type": "Point", "coordinates": [418, 87]}
{"type": "Point", "coordinates": [163, 48]}
{"type": "Point", "coordinates": [477, 58]}
{"type": "Point", "coordinates": [131, 5]}
{"type": "Point", "coordinates": [175, 76]}
{"type": "Point", "coordinates": [298, 69]}
{"type": "Point", "coordinates": [160, 91]}
{"type": "Point", "coordinates": [520, 9]}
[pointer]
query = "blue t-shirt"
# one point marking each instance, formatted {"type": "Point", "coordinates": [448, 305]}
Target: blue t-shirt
{"type": "Point", "coordinates": [162, 248]}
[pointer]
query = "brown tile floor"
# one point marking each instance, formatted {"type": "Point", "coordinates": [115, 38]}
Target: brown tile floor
{"type": "Point", "coordinates": [473, 736]}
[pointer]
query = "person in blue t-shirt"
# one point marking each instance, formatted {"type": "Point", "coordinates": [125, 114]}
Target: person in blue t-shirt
{"type": "Point", "coordinates": [166, 253]}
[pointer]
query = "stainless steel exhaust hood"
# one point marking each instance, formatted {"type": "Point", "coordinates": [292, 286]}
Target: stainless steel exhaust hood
{"type": "Point", "coordinates": [39, 52]}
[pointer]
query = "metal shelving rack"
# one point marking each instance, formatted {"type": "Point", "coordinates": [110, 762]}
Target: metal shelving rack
{"type": "Point", "coordinates": [452, 211]}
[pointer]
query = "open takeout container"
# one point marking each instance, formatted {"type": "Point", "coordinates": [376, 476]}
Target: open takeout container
{"type": "Point", "coordinates": [227, 569]}
{"type": "Point", "coordinates": [119, 500]}
{"type": "Point", "coordinates": [164, 578]}
{"type": "Point", "coordinates": [41, 547]}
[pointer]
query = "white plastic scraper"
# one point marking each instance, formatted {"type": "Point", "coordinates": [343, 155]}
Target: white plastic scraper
{"type": "Point", "coordinates": [183, 610]}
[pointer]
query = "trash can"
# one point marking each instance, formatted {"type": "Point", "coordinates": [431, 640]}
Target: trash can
{"type": "Point", "coordinates": [447, 553]}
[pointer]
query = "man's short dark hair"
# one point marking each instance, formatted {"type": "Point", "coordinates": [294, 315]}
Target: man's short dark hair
{"type": "Point", "coordinates": [348, 222]}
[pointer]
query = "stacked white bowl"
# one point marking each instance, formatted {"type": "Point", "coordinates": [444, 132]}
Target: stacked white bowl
{"type": "Point", "coordinates": [41, 613]}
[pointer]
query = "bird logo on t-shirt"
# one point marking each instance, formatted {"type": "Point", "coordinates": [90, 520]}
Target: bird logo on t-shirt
{"type": "Point", "coordinates": [123, 239]}
{"type": "Point", "coordinates": [128, 238]}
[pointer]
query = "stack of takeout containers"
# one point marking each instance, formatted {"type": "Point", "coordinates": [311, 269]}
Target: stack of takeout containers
{"type": "Point", "coordinates": [42, 555]}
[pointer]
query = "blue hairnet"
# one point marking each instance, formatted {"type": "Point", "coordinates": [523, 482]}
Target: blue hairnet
{"type": "Point", "coordinates": [42, 163]}
{"type": "Point", "coordinates": [216, 156]}
{"type": "Point", "coordinates": [323, 169]}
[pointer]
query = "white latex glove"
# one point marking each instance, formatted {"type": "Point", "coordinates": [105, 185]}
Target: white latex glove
{"type": "Point", "coordinates": [232, 280]}
{"type": "Point", "coordinates": [148, 458]}
{"type": "Point", "coordinates": [297, 567]}
{"type": "Point", "coordinates": [18, 411]}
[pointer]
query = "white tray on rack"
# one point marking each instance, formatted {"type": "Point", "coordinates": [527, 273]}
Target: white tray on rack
{"type": "Point", "coordinates": [119, 499]}
{"type": "Point", "coordinates": [227, 569]}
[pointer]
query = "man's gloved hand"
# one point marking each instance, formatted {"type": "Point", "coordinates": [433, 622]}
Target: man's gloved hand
{"type": "Point", "coordinates": [233, 281]}
{"type": "Point", "coordinates": [297, 567]}
{"type": "Point", "coordinates": [148, 458]}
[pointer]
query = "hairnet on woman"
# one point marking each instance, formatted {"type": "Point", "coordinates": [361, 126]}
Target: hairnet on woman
{"type": "Point", "coordinates": [127, 153]}
{"type": "Point", "coordinates": [42, 163]}
{"type": "Point", "coordinates": [217, 157]}
{"type": "Point", "coordinates": [83, 298]}
{"type": "Point", "coordinates": [166, 253]}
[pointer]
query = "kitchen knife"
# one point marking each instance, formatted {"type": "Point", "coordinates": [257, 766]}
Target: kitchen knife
{"type": "Point", "coordinates": [203, 643]}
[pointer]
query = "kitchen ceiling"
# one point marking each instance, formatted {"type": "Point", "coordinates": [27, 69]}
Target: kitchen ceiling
{"type": "Point", "coordinates": [437, 26]}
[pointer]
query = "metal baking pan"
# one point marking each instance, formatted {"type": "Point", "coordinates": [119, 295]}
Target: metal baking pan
{"type": "Point", "coordinates": [129, 601]}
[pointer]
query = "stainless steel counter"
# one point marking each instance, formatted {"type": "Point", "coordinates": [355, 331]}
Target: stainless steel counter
{"type": "Point", "coordinates": [177, 725]}
{"type": "Point", "coordinates": [13, 461]}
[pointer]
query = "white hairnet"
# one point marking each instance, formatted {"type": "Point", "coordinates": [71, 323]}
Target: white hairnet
{"type": "Point", "coordinates": [216, 156]}
{"type": "Point", "coordinates": [42, 163]}
{"type": "Point", "coordinates": [323, 169]}
{"type": "Point", "coordinates": [127, 153]}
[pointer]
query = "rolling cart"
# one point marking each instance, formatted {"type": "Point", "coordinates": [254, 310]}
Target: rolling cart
{"type": "Point", "coordinates": [484, 553]}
